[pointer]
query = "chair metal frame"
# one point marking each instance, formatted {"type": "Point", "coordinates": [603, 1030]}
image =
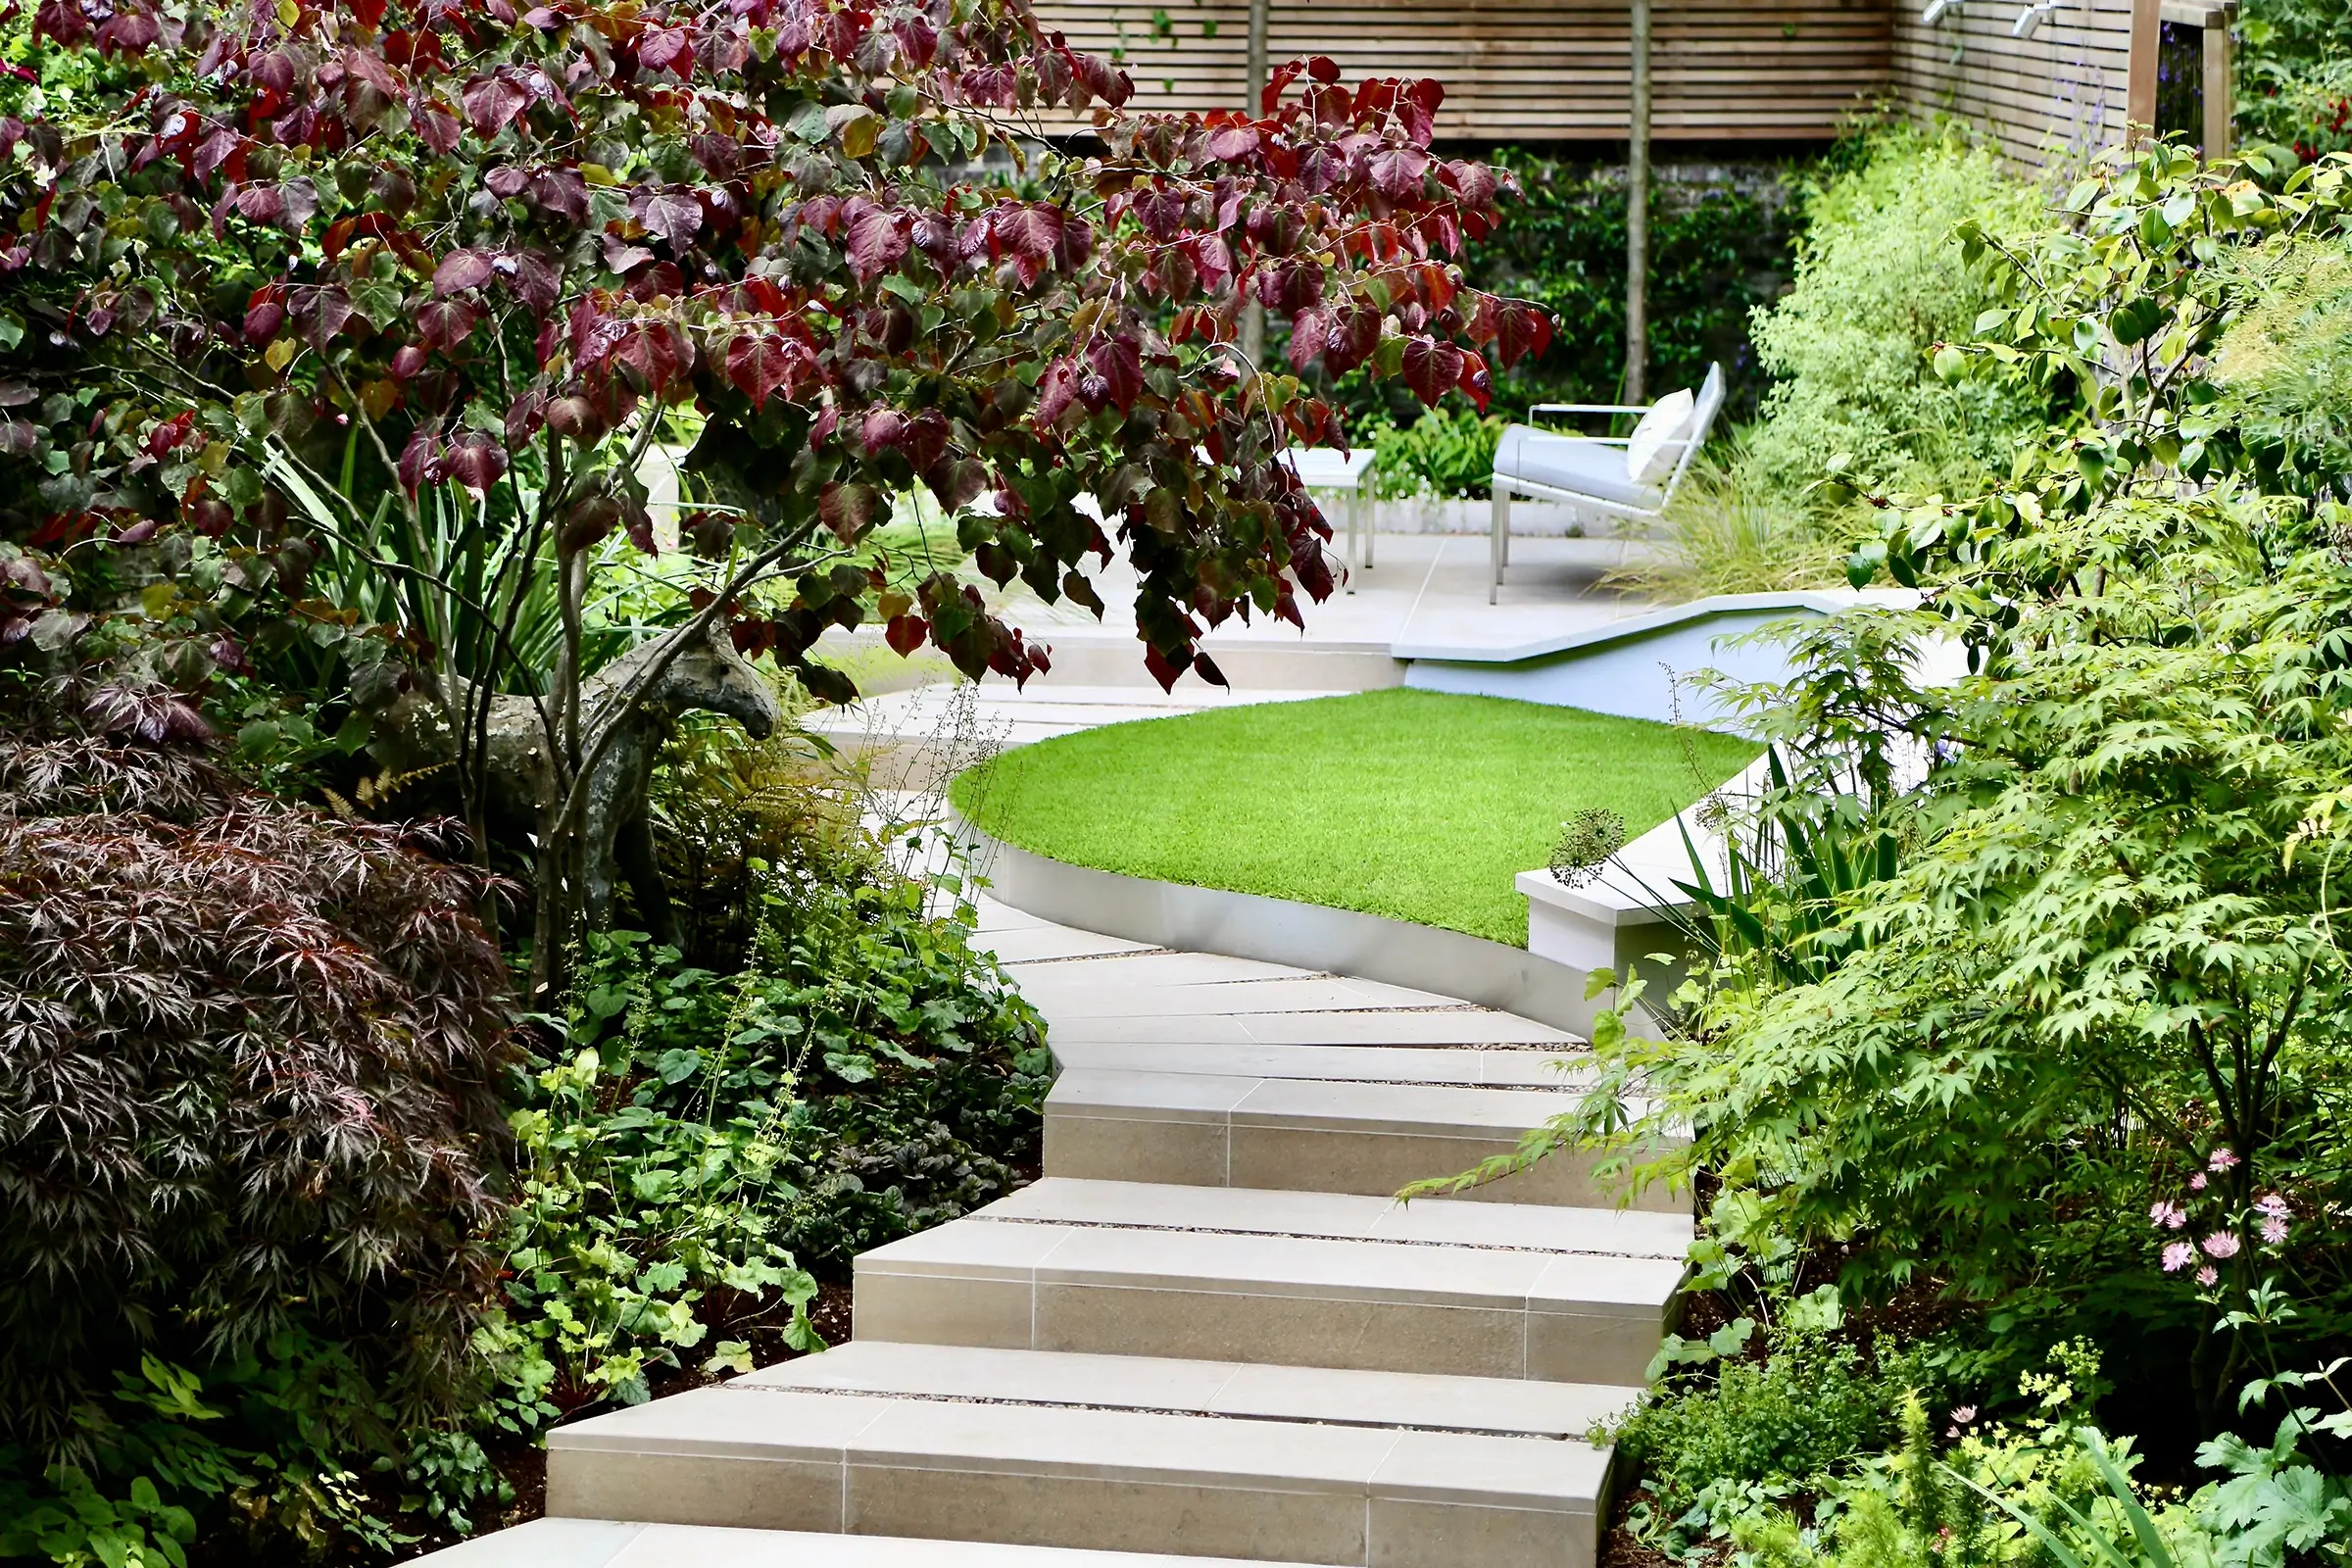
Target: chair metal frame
{"type": "Point", "coordinates": [1505, 486]}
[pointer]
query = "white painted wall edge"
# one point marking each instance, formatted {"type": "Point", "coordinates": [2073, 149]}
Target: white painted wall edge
{"type": "Point", "coordinates": [1821, 601]}
{"type": "Point", "coordinates": [1627, 911]}
{"type": "Point", "coordinates": [1305, 936]}
{"type": "Point", "coordinates": [1636, 886]}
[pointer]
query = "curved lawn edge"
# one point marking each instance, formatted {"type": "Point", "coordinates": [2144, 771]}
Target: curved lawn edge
{"type": "Point", "coordinates": [1305, 936]}
{"type": "Point", "coordinates": [1417, 806]}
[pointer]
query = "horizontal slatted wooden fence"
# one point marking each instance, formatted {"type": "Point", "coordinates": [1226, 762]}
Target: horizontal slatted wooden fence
{"type": "Point", "coordinates": [2051, 96]}
{"type": "Point", "coordinates": [1523, 69]}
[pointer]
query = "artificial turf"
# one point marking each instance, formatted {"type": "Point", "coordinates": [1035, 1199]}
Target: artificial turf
{"type": "Point", "coordinates": [1419, 806]}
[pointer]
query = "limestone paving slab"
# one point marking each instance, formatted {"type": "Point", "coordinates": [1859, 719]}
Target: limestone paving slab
{"type": "Point", "coordinates": [1381, 1305]}
{"type": "Point", "coordinates": [1053, 944]}
{"type": "Point", "coordinates": [1104, 994]}
{"type": "Point", "coordinates": [611, 1543]}
{"type": "Point", "coordinates": [1277, 1490]}
{"type": "Point", "coordinates": [1225, 1263]}
{"type": "Point", "coordinates": [989, 914]}
{"type": "Point", "coordinates": [1427, 1111]}
{"type": "Point", "coordinates": [1460, 1065]}
{"type": "Point", "coordinates": [1160, 967]}
{"type": "Point", "coordinates": [1325, 1135]}
{"type": "Point", "coordinates": [1122, 1093]}
{"type": "Point", "coordinates": [1495, 1406]}
{"type": "Point", "coordinates": [1523, 1227]}
{"type": "Point", "coordinates": [1339, 1026]}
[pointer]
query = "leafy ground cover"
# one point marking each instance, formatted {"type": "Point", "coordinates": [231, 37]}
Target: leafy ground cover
{"type": "Point", "coordinates": [1418, 806]}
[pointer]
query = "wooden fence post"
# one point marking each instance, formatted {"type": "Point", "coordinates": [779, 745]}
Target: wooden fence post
{"type": "Point", "coordinates": [2218, 88]}
{"type": "Point", "coordinates": [2147, 40]}
{"type": "Point", "coordinates": [1254, 314]}
{"type": "Point", "coordinates": [1636, 211]}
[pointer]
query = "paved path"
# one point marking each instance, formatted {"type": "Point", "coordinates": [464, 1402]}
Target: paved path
{"type": "Point", "coordinates": [1208, 1333]}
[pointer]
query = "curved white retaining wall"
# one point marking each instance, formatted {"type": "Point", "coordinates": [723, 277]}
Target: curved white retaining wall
{"type": "Point", "coordinates": [1305, 936]}
{"type": "Point", "coordinates": [1639, 667]}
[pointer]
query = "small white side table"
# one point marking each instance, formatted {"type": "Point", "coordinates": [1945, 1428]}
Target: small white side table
{"type": "Point", "coordinates": [1319, 468]}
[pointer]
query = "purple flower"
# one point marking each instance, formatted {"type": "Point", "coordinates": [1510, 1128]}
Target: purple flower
{"type": "Point", "coordinates": [2207, 1276]}
{"type": "Point", "coordinates": [2167, 1215]}
{"type": "Point", "coordinates": [2220, 1244]}
{"type": "Point", "coordinates": [2274, 1230]}
{"type": "Point", "coordinates": [2177, 1255]}
{"type": "Point", "coordinates": [2222, 1160]}
{"type": "Point", "coordinates": [2196, 1183]}
{"type": "Point", "coordinates": [2274, 1206]}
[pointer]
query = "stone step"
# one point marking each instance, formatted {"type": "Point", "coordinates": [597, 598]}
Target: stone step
{"type": "Point", "coordinates": [1348, 1025]}
{"type": "Point", "coordinates": [1146, 985]}
{"type": "Point", "coordinates": [611, 1543]}
{"type": "Point", "coordinates": [1507, 1067]}
{"type": "Point", "coordinates": [1030, 947]}
{"type": "Point", "coordinates": [1204, 1130]}
{"type": "Point", "coordinates": [1493, 1406]}
{"type": "Point", "coordinates": [1302, 1279]}
{"type": "Point", "coordinates": [1065, 1452]}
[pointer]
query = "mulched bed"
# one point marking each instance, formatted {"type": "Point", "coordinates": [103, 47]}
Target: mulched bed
{"type": "Point", "coordinates": [1619, 1548]}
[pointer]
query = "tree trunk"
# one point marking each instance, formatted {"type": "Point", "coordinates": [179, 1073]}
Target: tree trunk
{"type": "Point", "coordinates": [1637, 215]}
{"type": "Point", "coordinates": [1254, 314]}
{"type": "Point", "coordinates": [555, 878]}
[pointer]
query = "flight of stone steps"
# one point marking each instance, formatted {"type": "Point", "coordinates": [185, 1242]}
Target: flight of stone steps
{"type": "Point", "coordinates": [1208, 1333]}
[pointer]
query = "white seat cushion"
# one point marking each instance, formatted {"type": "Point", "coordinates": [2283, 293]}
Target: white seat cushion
{"type": "Point", "coordinates": [1648, 456]}
{"type": "Point", "coordinates": [1567, 463]}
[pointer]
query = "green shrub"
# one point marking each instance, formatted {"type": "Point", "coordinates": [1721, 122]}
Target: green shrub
{"type": "Point", "coordinates": [2284, 368]}
{"type": "Point", "coordinates": [731, 814]}
{"type": "Point", "coordinates": [2294, 75]}
{"type": "Point", "coordinates": [1880, 281]}
{"type": "Point", "coordinates": [1717, 252]}
{"type": "Point", "coordinates": [265, 1449]}
{"type": "Point", "coordinates": [2043, 1488]}
{"type": "Point", "coordinates": [1712, 1449]}
{"type": "Point", "coordinates": [700, 1141]}
{"type": "Point", "coordinates": [2081, 1061]}
{"type": "Point", "coordinates": [1447, 453]}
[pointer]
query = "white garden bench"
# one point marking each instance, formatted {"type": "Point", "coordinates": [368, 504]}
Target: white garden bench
{"type": "Point", "coordinates": [1630, 478]}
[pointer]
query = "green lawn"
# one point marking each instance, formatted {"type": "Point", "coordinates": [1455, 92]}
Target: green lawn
{"type": "Point", "coordinates": [1413, 805]}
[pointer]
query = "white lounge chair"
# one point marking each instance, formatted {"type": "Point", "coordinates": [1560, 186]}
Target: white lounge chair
{"type": "Point", "coordinates": [1599, 473]}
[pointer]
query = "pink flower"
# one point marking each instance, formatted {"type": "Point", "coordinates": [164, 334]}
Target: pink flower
{"type": "Point", "coordinates": [2196, 1183]}
{"type": "Point", "coordinates": [2220, 1244]}
{"type": "Point", "coordinates": [1962, 1415]}
{"type": "Point", "coordinates": [2222, 1160]}
{"type": "Point", "coordinates": [2274, 1230]}
{"type": "Point", "coordinates": [2274, 1206]}
{"type": "Point", "coordinates": [2206, 1276]}
{"type": "Point", "coordinates": [2167, 1215]}
{"type": "Point", "coordinates": [2177, 1255]}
